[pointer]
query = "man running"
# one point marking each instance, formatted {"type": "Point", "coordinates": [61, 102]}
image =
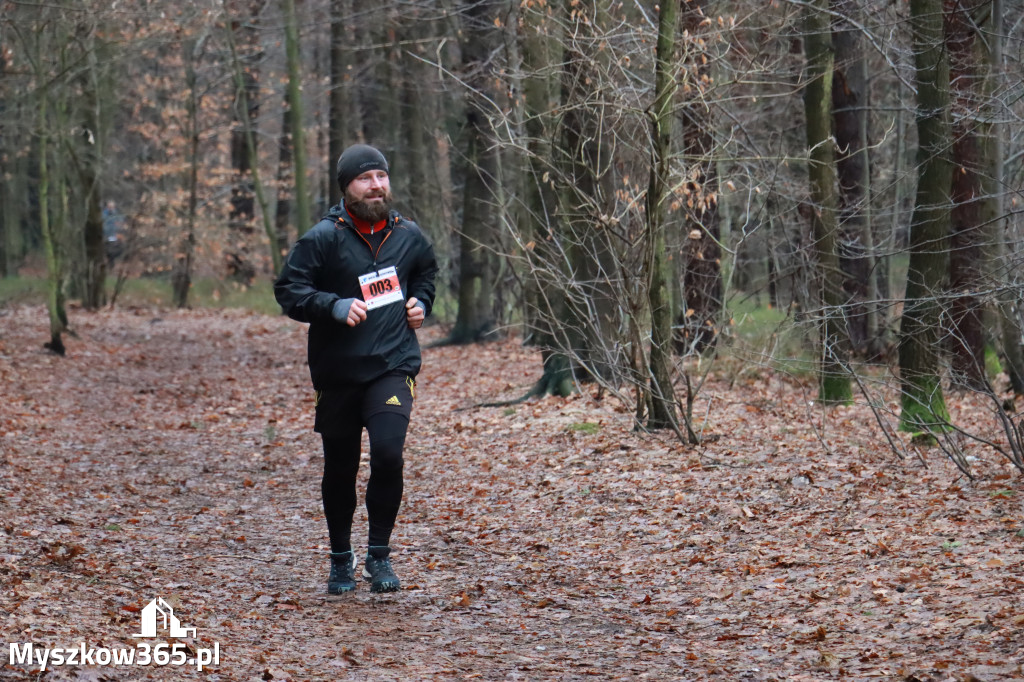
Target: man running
{"type": "Point", "coordinates": [363, 278]}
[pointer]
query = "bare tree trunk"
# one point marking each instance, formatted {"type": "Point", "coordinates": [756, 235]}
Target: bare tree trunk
{"type": "Point", "coordinates": [967, 342]}
{"type": "Point", "coordinates": [701, 260]}
{"type": "Point", "coordinates": [285, 184]}
{"type": "Point", "coordinates": [922, 401]}
{"type": "Point", "coordinates": [476, 272]}
{"type": "Point", "coordinates": [7, 219]}
{"type": "Point", "coordinates": [345, 121]}
{"type": "Point", "coordinates": [33, 36]}
{"type": "Point", "coordinates": [13, 204]}
{"type": "Point", "coordinates": [475, 316]}
{"type": "Point", "coordinates": [994, 211]}
{"type": "Point", "coordinates": [659, 293]}
{"type": "Point", "coordinates": [291, 35]}
{"type": "Point", "coordinates": [587, 194]}
{"type": "Point", "coordinates": [239, 253]}
{"type": "Point", "coordinates": [834, 384]}
{"type": "Point", "coordinates": [88, 155]}
{"type": "Point", "coordinates": [94, 293]}
{"type": "Point", "coordinates": [544, 297]}
{"type": "Point", "coordinates": [181, 276]}
{"type": "Point", "coordinates": [418, 128]}
{"type": "Point", "coordinates": [246, 114]}
{"type": "Point", "coordinates": [850, 117]}
{"type": "Point", "coordinates": [54, 269]}
{"type": "Point", "coordinates": [887, 243]}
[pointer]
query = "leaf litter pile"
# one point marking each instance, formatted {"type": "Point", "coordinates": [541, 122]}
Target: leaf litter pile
{"type": "Point", "coordinates": [171, 454]}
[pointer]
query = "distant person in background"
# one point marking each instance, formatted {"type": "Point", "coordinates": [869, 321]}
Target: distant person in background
{"type": "Point", "coordinates": [363, 278]}
{"type": "Point", "coordinates": [113, 232]}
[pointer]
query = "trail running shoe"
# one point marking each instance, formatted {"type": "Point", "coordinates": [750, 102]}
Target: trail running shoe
{"type": "Point", "coordinates": [342, 578]}
{"type": "Point", "coordinates": [379, 572]}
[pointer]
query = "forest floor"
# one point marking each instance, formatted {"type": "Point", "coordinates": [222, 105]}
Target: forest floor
{"type": "Point", "coordinates": [171, 455]}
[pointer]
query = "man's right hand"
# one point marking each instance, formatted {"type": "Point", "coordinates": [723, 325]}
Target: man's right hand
{"type": "Point", "coordinates": [356, 312]}
{"type": "Point", "coordinates": [351, 311]}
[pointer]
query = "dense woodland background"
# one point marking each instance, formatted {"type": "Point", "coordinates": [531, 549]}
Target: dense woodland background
{"type": "Point", "coordinates": [628, 185]}
{"type": "Point", "coordinates": [772, 250]}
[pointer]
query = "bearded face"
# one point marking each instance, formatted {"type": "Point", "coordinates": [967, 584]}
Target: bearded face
{"type": "Point", "coordinates": [371, 203]}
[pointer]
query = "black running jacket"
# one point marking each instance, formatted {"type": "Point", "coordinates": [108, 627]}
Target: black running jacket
{"type": "Point", "coordinates": [324, 266]}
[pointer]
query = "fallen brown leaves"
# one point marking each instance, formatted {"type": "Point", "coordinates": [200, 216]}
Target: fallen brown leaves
{"type": "Point", "coordinates": [171, 454]}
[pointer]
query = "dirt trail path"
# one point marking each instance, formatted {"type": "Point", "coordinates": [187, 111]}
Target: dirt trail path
{"type": "Point", "coordinates": [171, 455]}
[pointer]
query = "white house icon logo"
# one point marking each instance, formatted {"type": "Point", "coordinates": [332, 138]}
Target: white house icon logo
{"type": "Point", "coordinates": [170, 621]}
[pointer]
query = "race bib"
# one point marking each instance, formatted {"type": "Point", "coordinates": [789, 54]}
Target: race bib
{"type": "Point", "coordinates": [381, 288]}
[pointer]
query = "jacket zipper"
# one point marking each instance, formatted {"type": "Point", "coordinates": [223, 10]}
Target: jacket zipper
{"type": "Point", "coordinates": [367, 242]}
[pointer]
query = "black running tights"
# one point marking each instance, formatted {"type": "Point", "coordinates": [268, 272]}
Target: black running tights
{"type": "Point", "coordinates": [384, 490]}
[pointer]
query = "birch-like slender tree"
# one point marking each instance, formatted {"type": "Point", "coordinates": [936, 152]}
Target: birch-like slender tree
{"type": "Point", "coordinates": [662, 407]}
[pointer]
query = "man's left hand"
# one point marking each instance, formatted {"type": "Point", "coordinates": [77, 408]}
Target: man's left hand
{"type": "Point", "coordinates": [414, 314]}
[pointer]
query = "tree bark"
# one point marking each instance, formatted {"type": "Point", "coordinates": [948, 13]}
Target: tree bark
{"type": "Point", "coordinates": [239, 253]}
{"type": "Point", "coordinates": [587, 194]}
{"type": "Point", "coordinates": [994, 212]}
{"type": "Point", "coordinates": [89, 154]}
{"type": "Point", "coordinates": [419, 126]}
{"type": "Point", "coordinates": [701, 261]}
{"type": "Point", "coordinates": [345, 122]}
{"type": "Point", "coordinates": [476, 273]}
{"type": "Point", "coordinates": [659, 293]}
{"type": "Point", "coordinates": [922, 401]}
{"type": "Point", "coordinates": [7, 221]}
{"type": "Point", "coordinates": [54, 267]}
{"type": "Point", "coordinates": [475, 316]}
{"type": "Point", "coordinates": [834, 385]}
{"type": "Point", "coordinates": [285, 184]}
{"type": "Point", "coordinates": [181, 276]}
{"type": "Point", "coordinates": [295, 108]}
{"type": "Point", "coordinates": [246, 115]}
{"type": "Point", "coordinates": [850, 117]}
{"type": "Point", "coordinates": [967, 341]}
{"type": "Point", "coordinates": [544, 296]}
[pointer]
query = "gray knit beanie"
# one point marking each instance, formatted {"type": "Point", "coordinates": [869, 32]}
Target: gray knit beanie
{"type": "Point", "coordinates": [356, 160]}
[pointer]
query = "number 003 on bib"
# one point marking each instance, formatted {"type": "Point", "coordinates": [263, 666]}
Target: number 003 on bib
{"type": "Point", "coordinates": [380, 288]}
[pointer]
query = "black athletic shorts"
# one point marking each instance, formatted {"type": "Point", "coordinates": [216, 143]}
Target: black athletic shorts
{"type": "Point", "coordinates": [339, 410]}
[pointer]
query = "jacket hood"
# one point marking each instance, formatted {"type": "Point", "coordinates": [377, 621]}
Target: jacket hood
{"type": "Point", "coordinates": [336, 212]}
